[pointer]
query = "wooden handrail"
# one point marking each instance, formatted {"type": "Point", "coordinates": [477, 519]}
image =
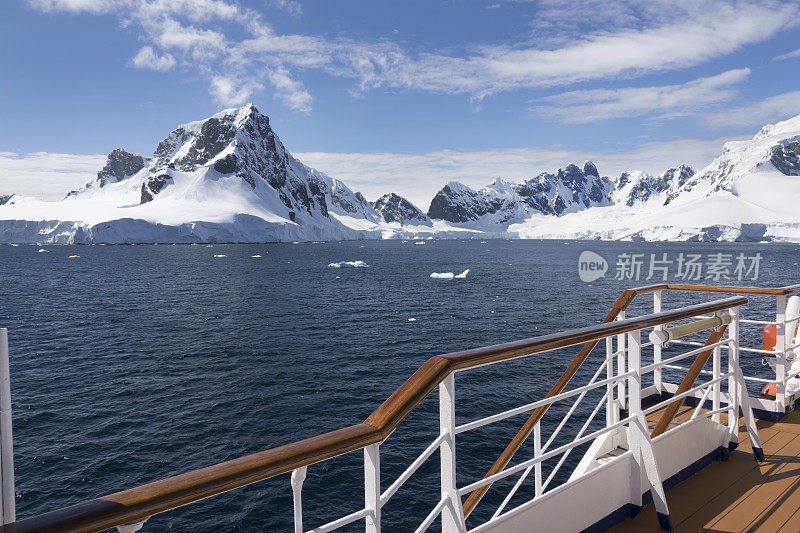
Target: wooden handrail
{"type": "Point", "coordinates": [146, 500]}
{"type": "Point", "coordinates": [686, 384]}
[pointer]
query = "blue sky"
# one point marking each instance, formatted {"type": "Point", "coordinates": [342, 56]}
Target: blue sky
{"type": "Point", "coordinates": [395, 95]}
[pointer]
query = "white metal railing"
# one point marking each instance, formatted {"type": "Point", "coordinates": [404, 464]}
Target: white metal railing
{"type": "Point", "coordinates": [778, 359]}
{"type": "Point", "coordinates": [621, 388]}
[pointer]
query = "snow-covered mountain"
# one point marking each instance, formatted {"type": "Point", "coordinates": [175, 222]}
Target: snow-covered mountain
{"type": "Point", "coordinates": [229, 178]}
{"type": "Point", "coordinates": [637, 186]}
{"type": "Point", "coordinates": [394, 208]}
{"type": "Point", "coordinates": [226, 178]}
{"type": "Point", "coordinates": [501, 203]}
{"type": "Point", "coordinates": [749, 193]}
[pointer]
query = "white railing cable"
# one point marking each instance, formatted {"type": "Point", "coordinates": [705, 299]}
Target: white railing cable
{"type": "Point", "coordinates": [539, 403]}
{"type": "Point", "coordinates": [566, 453]}
{"type": "Point", "coordinates": [531, 406]}
{"type": "Point", "coordinates": [689, 392]}
{"type": "Point", "coordinates": [408, 472]}
{"type": "Point", "coordinates": [566, 417]}
{"type": "Point", "coordinates": [341, 522]}
{"type": "Point", "coordinates": [670, 360]}
{"type": "Point", "coordinates": [514, 469]}
{"type": "Point", "coordinates": [432, 515]}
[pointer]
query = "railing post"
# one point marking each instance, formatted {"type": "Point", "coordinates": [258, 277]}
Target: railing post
{"type": "Point", "coordinates": [537, 451]}
{"type": "Point", "coordinates": [297, 479]}
{"type": "Point", "coordinates": [780, 356]}
{"type": "Point", "coordinates": [657, 347]}
{"type": "Point", "coordinates": [7, 498]}
{"type": "Point", "coordinates": [611, 411]}
{"type": "Point", "coordinates": [717, 387]}
{"type": "Point", "coordinates": [372, 487]}
{"type": "Point", "coordinates": [634, 408]}
{"type": "Point", "coordinates": [447, 455]}
{"type": "Point", "coordinates": [733, 383]}
{"type": "Point", "coordinates": [621, 366]}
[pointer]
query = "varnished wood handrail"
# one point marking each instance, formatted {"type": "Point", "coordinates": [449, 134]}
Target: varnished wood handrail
{"type": "Point", "coordinates": [153, 498]}
{"type": "Point", "coordinates": [688, 380]}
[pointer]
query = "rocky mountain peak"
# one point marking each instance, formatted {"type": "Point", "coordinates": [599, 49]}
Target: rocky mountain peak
{"type": "Point", "coordinates": [395, 208]}
{"type": "Point", "coordinates": [6, 199]}
{"type": "Point", "coordinates": [120, 165]}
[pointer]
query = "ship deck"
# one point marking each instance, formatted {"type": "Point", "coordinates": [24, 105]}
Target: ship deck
{"type": "Point", "coordinates": [740, 494]}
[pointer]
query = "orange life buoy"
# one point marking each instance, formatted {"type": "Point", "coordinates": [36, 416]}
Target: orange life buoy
{"type": "Point", "coordinates": [769, 392]}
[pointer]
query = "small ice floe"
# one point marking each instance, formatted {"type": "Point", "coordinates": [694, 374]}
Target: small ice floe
{"type": "Point", "coordinates": [256, 256]}
{"type": "Point", "coordinates": [209, 245]}
{"type": "Point", "coordinates": [449, 275]}
{"type": "Point", "coordinates": [42, 250]}
{"type": "Point", "coordinates": [412, 319]}
{"type": "Point", "coordinates": [73, 256]}
{"type": "Point", "coordinates": [420, 242]}
{"type": "Point", "coordinates": [354, 264]}
{"type": "Point", "coordinates": [15, 245]}
{"type": "Point", "coordinates": [219, 256]}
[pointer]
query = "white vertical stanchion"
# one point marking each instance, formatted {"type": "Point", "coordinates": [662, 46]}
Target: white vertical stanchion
{"type": "Point", "coordinates": [452, 515]}
{"type": "Point", "coordinates": [634, 406]}
{"type": "Point", "coordinates": [6, 438]}
{"type": "Point", "coordinates": [611, 410]}
{"type": "Point", "coordinates": [643, 456]}
{"type": "Point", "coordinates": [780, 356]}
{"type": "Point", "coordinates": [372, 487]}
{"type": "Point", "coordinates": [537, 451]}
{"type": "Point", "coordinates": [717, 387]}
{"type": "Point", "coordinates": [733, 393]}
{"type": "Point", "coordinates": [621, 367]}
{"type": "Point", "coordinates": [297, 479]}
{"type": "Point", "coordinates": [657, 347]}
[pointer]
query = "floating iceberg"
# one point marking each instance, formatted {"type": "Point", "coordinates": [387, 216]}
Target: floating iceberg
{"type": "Point", "coordinates": [218, 256]}
{"type": "Point", "coordinates": [42, 250]}
{"type": "Point", "coordinates": [73, 256]}
{"type": "Point", "coordinates": [412, 319]}
{"type": "Point", "coordinates": [449, 275]}
{"type": "Point", "coordinates": [256, 256]}
{"type": "Point", "coordinates": [420, 242]}
{"type": "Point", "coordinates": [354, 264]}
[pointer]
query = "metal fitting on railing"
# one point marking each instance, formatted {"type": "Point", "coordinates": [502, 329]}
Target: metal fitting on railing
{"type": "Point", "coordinates": [662, 337]}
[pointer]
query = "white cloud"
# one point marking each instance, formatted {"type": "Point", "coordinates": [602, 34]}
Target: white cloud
{"type": "Point", "coordinates": [772, 109]}
{"type": "Point", "coordinates": [578, 107]}
{"type": "Point", "coordinates": [221, 38]}
{"type": "Point", "coordinates": [46, 175]}
{"type": "Point", "coordinates": [419, 177]}
{"type": "Point", "coordinates": [788, 55]}
{"type": "Point", "coordinates": [231, 92]}
{"type": "Point", "coordinates": [290, 6]}
{"type": "Point", "coordinates": [78, 6]}
{"type": "Point", "coordinates": [147, 58]}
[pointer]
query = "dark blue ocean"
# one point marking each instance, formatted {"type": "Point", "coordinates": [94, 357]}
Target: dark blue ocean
{"type": "Point", "coordinates": [133, 363]}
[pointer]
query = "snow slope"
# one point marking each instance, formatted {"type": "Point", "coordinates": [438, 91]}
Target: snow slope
{"type": "Point", "coordinates": [227, 178]}
{"type": "Point", "coordinates": [750, 193]}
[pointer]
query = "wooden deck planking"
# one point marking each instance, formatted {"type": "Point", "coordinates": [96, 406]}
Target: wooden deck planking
{"type": "Point", "coordinates": [740, 494]}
